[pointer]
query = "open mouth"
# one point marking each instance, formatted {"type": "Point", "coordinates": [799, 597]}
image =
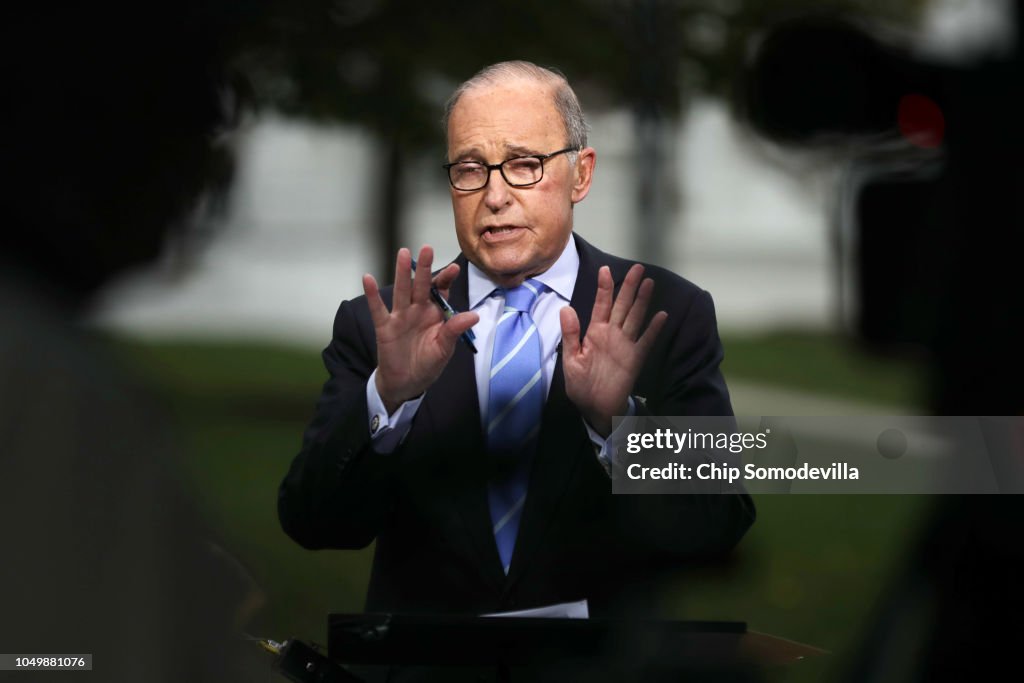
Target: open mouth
{"type": "Point", "coordinates": [501, 233]}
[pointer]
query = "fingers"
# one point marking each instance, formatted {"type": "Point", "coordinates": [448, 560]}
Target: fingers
{"type": "Point", "coordinates": [413, 287]}
{"type": "Point", "coordinates": [410, 287]}
{"type": "Point", "coordinates": [445, 278]}
{"type": "Point", "coordinates": [634, 321]}
{"type": "Point", "coordinates": [458, 324]}
{"type": "Point", "coordinates": [570, 323]}
{"type": "Point", "coordinates": [603, 299]}
{"type": "Point", "coordinates": [627, 292]}
{"type": "Point", "coordinates": [378, 311]}
{"type": "Point", "coordinates": [403, 283]}
{"type": "Point", "coordinates": [649, 336]}
{"type": "Point", "coordinates": [629, 305]}
{"type": "Point", "coordinates": [421, 283]}
{"type": "Point", "coordinates": [453, 329]}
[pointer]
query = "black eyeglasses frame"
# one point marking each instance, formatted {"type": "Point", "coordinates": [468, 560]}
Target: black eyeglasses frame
{"type": "Point", "coordinates": [490, 167]}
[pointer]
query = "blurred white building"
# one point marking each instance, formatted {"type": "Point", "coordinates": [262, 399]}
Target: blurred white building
{"type": "Point", "coordinates": [299, 233]}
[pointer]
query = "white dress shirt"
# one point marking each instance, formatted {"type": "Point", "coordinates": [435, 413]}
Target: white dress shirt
{"type": "Point", "coordinates": [389, 430]}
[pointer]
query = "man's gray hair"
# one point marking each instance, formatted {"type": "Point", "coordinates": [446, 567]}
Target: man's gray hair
{"type": "Point", "coordinates": [566, 103]}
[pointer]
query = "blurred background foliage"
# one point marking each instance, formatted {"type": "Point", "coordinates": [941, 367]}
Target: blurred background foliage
{"type": "Point", "coordinates": [388, 66]}
{"type": "Point", "coordinates": [811, 567]}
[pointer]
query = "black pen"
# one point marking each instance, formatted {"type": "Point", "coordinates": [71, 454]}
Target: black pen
{"type": "Point", "coordinates": [449, 312]}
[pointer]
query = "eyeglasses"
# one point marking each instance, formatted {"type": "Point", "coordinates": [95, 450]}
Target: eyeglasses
{"type": "Point", "coordinates": [517, 171]}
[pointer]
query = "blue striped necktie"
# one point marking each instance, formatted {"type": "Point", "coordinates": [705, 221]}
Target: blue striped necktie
{"type": "Point", "coordinates": [514, 408]}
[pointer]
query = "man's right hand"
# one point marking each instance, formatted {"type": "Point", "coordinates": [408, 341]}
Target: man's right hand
{"type": "Point", "coordinates": [414, 342]}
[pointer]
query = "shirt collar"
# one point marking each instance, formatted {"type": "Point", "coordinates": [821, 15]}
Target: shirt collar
{"type": "Point", "coordinates": [560, 277]}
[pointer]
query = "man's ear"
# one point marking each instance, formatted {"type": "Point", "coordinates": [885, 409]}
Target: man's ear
{"type": "Point", "coordinates": [584, 173]}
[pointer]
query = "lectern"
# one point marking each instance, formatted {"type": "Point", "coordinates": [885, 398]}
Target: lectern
{"type": "Point", "coordinates": [540, 648]}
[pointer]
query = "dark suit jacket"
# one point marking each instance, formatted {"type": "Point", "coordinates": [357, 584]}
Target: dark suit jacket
{"type": "Point", "coordinates": [426, 503]}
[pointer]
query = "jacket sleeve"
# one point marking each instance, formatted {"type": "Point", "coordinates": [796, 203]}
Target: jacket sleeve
{"type": "Point", "coordinates": [684, 379]}
{"type": "Point", "coordinates": [336, 493]}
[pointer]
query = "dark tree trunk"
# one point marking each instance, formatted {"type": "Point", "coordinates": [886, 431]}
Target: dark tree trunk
{"type": "Point", "coordinates": [652, 150]}
{"type": "Point", "coordinates": [389, 208]}
{"type": "Point", "coordinates": [653, 58]}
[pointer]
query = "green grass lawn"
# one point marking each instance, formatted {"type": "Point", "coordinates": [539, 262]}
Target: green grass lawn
{"type": "Point", "coordinates": [241, 409]}
{"type": "Point", "coordinates": [827, 364]}
{"type": "Point", "coordinates": [809, 570]}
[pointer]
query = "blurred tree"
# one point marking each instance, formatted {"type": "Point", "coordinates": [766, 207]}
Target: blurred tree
{"type": "Point", "coordinates": [388, 66]}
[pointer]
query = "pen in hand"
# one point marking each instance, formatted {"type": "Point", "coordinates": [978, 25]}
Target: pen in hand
{"type": "Point", "coordinates": [449, 312]}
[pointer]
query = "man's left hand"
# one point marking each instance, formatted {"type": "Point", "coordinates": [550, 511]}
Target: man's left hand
{"type": "Point", "coordinates": [600, 371]}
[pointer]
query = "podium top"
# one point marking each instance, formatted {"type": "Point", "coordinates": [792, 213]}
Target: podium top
{"type": "Point", "coordinates": [398, 639]}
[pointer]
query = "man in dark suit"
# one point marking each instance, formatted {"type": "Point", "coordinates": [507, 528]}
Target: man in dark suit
{"type": "Point", "coordinates": [400, 452]}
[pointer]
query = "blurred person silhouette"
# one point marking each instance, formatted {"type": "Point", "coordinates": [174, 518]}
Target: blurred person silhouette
{"type": "Point", "coordinates": [938, 264]}
{"type": "Point", "coordinates": [108, 124]}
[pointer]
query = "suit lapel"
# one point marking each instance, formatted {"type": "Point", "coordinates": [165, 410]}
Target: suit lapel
{"type": "Point", "coordinates": [563, 438]}
{"type": "Point", "coordinates": [452, 408]}
{"type": "Point", "coordinates": [563, 442]}
{"type": "Point", "coordinates": [586, 285]}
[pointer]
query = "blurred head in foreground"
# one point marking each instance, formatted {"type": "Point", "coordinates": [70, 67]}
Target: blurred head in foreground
{"type": "Point", "coordinates": [109, 126]}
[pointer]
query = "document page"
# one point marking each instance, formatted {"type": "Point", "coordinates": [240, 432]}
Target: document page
{"type": "Point", "coordinates": [563, 610]}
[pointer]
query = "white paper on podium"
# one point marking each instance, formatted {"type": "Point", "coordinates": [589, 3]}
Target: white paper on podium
{"type": "Point", "coordinates": [563, 610]}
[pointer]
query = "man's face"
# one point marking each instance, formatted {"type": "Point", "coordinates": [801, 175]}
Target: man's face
{"type": "Point", "coordinates": [508, 232]}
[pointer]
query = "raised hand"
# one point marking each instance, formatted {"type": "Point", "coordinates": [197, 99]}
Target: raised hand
{"type": "Point", "coordinates": [600, 371]}
{"type": "Point", "coordinates": [414, 343]}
